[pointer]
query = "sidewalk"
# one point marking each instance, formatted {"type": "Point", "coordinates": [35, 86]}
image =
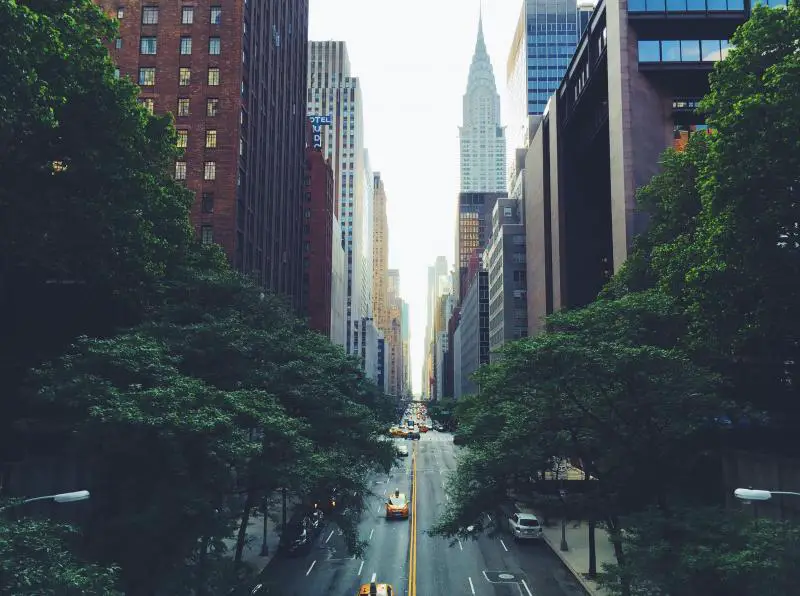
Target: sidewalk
{"type": "Point", "coordinates": [577, 557]}
{"type": "Point", "coordinates": [253, 541]}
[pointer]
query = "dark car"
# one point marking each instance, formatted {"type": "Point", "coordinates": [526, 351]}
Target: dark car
{"type": "Point", "coordinates": [301, 530]}
{"type": "Point", "coordinates": [413, 434]}
{"type": "Point", "coordinates": [459, 439]}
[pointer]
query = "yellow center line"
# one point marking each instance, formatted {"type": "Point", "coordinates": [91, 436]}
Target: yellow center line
{"type": "Point", "coordinates": [412, 549]}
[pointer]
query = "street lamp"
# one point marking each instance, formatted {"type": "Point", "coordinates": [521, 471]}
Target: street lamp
{"type": "Point", "coordinates": [750, 494]}
{"type": "Point", "coordinates": [78, 495]}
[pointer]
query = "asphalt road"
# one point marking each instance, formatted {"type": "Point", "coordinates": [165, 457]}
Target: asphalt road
{"type": "Point", "coordinates": [487, 566]}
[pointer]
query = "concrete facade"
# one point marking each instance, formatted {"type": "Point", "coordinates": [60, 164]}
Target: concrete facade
{"type": "Point", "coordinates": [338, 285]}
{"type": "Point", "coordinates": [630, 90]}
{"type": "Point", "coordinates": [333, 92]}
{"type": "Point", "coordinates": [507, 272]}
{"type": "Point", "coordinates": [380, 257]}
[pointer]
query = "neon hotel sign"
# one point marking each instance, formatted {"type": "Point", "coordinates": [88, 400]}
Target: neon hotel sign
{"type": "Point", "coordinates": [317, 122]}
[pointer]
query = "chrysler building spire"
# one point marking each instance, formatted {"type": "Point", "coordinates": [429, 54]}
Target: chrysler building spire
{"type": "Point", "coordinates": [482, 138]}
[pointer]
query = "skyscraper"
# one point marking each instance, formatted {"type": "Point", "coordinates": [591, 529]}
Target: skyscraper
{"type": "Point", "coordinates": [241, 125]}
{"type": "Point", "coordinates": [395, 337]}
{"type": "Point", "coordinates": [333, 92]}
{"type": "Point", "coordinates": [380, 256]}
{"type": "Point", "coordinates": [482, 138]}
{"type": "Point", "coordinates": [543, 44]}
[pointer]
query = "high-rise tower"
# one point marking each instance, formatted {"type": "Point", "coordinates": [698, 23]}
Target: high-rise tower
{"type": "Point", "coordinates": [333, 92]}
{"type": "Point", "coordinates": [482, 138]}
{"type": "Point", "coordinates": [380, 257]}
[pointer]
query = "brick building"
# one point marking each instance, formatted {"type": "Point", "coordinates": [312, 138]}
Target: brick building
{"type": "Point", "coordinates": [233, 74]}
{"type": "Point", "coordinates": [318, 217]}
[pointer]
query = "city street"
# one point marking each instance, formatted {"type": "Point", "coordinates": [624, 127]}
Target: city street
{"type": "Point", "coordinates": [484, 567]}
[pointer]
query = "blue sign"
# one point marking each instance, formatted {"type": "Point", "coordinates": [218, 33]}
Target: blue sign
{"type": "Point", "coordinates": [317, 122]}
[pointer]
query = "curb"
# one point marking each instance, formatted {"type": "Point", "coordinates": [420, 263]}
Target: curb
{"type": "Point", "coordinates": [588, 588]}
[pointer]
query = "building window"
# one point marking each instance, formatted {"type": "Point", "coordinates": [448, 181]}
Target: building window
{"type": "Point", "coordinates": [118, 43]}
{"type": "Point", "coordinates": [147, 76]}
{"type": "Point", "coordinates": [149, 104]}
{"type": "Point", "coordinates": [120, 12]}
{"type": "Point", "coordinates": [184, 76]}
{"type": "Point", "coordinates": [183, 139]}
{"type": "Point", "coordinates": [214, 46]}
{"type": "Point", "coordinates": [211, 107]}
{"type": "Point", "coordinates": [210, 170]}
{"type": "Point", "coordinates": [150, 15]}
{"type": "Point", "coordinates": [180, 170]}
{"type": "Point", "coordinates": [183, 106]}
{"type": "Point", "coordinates": [187, 15]}
{"type": "Point", "coordinates": [211, 139]}
{"type": "Point", "coordinates": [206, 234]}
{"type": "Point", "coordinates": [216, 15]}
{"type": "Point", "coordinates": [116, 73]}
{"type": "Point", "coordinates": [207, 202]}
{"type": "Point", "coordinates": [186, 46]}
{"type": "Point", "coordinates": [147, 46]}
{"type": "Point", "coordinates": [213, 77]}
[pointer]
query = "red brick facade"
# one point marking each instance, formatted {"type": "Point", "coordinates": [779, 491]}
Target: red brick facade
{"type": "Point", "coordinates": [243, 124]}
{"type": "Point", "coordinates": [318, 241]}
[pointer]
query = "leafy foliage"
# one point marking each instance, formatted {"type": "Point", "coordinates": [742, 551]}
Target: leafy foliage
{"type": "Point", "coordinates": [36, 560]}
{"type": "Point", "coordinates": [701, 551]}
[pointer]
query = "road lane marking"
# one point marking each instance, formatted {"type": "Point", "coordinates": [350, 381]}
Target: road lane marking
{"type": "Point", "coordinates": [471, 587]}
{"type": "Point", "coordinates": [374, 575]}
{"type": "Point", "coordinates": [504, 545]}
{"type": "Point", "coordinates": [360, 567]}
{"type": "Point", "coordinates": [312, 567]}
{"type": "Point", "coordinates": [461, 546]}
{"type": "Point", "coordinates": [489, 517]}
{"type": "Point", "coordinates": [329, 537]}
{"type": "Point", "coordinates": [412, 542]}
{"type": "Point", "coordinates": [527, 589]}
{"type": "Point", "coordinates": [371, 532]}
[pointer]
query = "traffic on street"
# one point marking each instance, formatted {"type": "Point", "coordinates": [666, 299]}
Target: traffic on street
{"type": "Point", "coordinates": [401, 559]}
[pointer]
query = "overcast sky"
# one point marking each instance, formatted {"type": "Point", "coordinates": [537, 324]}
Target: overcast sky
{"type": "Point", "coordinates": [413, 58]}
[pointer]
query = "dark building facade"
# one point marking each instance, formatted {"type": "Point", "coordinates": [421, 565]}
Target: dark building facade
{"type": "Point", "coordinates": [233, 74]}
{"type": "Point", "coordinates": [629, 92]}
{"type": "Point", "coordinates": [474, 326]}
{"type": "Point", "coordinates": [318, 213]}
{"type": "Point", "coordinates": [472, 232]}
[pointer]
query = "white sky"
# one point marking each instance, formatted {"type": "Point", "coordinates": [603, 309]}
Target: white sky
{"type": "Point", "coordinates": [412, 57]}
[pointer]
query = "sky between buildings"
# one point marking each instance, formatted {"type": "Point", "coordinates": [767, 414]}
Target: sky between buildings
{"type": "Point", "coordinates": [413, 59]}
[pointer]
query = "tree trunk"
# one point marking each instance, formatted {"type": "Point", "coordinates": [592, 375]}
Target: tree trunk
{"type": "Point", "coordinates": [249, 502]}
{"type": "Point", "coordinates": [202, 560]}
{"type": "Point", "coordinates": [619, 554]}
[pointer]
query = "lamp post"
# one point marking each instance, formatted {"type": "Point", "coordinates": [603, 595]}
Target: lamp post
{"type": "Point", "coordinates": [264, 545]}
{"type": "Point", "coordinates": [79, 495]}
{"type": "Point", "coordinates": [750, 494]}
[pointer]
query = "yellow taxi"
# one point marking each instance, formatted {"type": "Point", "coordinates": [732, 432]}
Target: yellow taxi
{"type": "Point", "coordinates": [375, 589]}
{"type": "Point", "coordinates": [397, 431]}
{"type": "Point", "coordinates": [397, 505]}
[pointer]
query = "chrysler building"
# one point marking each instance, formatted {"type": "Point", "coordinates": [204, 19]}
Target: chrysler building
{"type": "Point", "coordinates": [482, 138]}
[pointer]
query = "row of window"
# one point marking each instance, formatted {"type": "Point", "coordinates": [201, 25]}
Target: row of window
{"type": "Point", "coordinates": [209, 170]}
{"type": "Point", "coordinates": [147, 76]}
{"type": "Point", "coordinates": [696, 5]}
{"type": "Point", "coordinates": [684, 50]}
{"type": "Point", "coordinates": [150, 15]}
{"type": "Point", "coordinates": [148, 46]}
{"type": "Point", "coordinates": [211, 139]}
{"type": "Point", "coordinates": [684, 5]}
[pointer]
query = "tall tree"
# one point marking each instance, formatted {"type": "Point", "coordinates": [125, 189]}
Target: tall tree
{"type": "Point", "coordinates": [90, 217]}
{"type": "Point", "coordinates": [743, 290]}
